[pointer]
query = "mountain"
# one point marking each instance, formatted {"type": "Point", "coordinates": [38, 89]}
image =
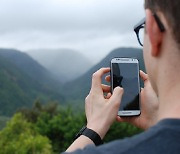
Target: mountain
{"type": "Point", "coordinates": [22, 80]}
{"type": "Point", "coordinates": [65, 64]}
{"type": "Point", "coordinates": [79, 88]}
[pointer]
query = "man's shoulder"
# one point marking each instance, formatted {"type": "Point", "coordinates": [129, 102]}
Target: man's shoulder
{"type": "Point", "coordinates": [162, 138]}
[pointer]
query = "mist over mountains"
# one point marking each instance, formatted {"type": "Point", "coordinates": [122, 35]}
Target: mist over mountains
{"type": "Point", "coordinates": [23, 80]}
{"type": "Point", "coordinates": [65, 64]}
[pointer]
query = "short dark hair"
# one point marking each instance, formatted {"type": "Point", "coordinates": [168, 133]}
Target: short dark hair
{"type": "Point", "coordinates": [171, 11]}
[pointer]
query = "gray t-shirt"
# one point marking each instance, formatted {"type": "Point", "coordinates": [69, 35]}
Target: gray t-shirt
{"type": "Point", "coordinates": [163, 138]}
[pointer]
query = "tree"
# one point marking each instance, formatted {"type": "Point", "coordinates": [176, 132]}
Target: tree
{"type": "Point", "coordinates": [60, 128]}
{"type": "Point", "coordinates": [20, 136]}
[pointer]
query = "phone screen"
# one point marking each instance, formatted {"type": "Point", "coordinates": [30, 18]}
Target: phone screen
{"type": "Point", "coordinates": [126, 75]}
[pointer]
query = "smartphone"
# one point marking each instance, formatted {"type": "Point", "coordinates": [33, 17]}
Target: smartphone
{"type": "Point", "coordinates": [125, 73]}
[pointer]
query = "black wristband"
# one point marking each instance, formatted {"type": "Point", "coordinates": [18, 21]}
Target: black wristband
{"type": "Point", "coordinates": [91, 135]}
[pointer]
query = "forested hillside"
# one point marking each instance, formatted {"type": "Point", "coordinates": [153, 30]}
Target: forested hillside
{"type": "Point", "coordinates": [22, 81]}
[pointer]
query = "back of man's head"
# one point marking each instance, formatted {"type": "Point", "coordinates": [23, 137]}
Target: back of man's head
{"type": "Point", "coordinates": [171, 11]}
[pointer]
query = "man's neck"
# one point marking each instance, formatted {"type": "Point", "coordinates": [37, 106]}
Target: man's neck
{"type": "Point", "coordinates": [169, 90]}
{"type": "Point", "coordinates": [170, 103]}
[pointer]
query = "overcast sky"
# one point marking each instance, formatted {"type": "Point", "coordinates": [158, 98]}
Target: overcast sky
{"type": "Point", "coordinates": [93, 27]}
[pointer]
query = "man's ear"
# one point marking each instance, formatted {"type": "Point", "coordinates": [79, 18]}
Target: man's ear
{"type": "Point", "coordinates": [154, 33]}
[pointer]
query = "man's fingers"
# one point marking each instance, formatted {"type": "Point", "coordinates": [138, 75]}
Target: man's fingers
{"type": "Point", "coordinates": [108, 78]}
{"type": "Point", "coordinates": [108, 95]}
{"type": "Point", "coordinates": [97, 78]}
{"type": "Point", "coordinates": [119, 119]}
{"type": "Point", "coordinates": [106, 88]}
{"type": "Point", "coordinates": [117, 95]}
{"type": "Point", "coordinates": [143, 75]}
{"type": "Point", "coordinates": [131, 120]}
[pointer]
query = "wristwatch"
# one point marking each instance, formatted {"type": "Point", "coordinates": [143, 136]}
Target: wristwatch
{"type": "Point", "coordinates": [90, 134]}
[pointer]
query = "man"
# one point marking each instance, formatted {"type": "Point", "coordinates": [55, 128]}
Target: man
{"type": "Point", "coordinates": [160, 98]}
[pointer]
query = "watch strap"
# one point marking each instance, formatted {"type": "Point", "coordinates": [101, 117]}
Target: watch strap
{"type": "Point", "coordinates": [91, 134]}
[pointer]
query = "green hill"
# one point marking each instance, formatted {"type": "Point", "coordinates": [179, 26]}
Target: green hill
{"type": "Point", "coordinates": [79, 88]}
{"type": "Point", "coordinates": [22, 80]}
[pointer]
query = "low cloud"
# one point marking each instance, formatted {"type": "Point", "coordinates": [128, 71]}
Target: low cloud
{"type": "Point", "coordinates": [86, 25]}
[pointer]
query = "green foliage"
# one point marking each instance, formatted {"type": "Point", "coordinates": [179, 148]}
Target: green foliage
{"type": "Point", "coordinates": [61, 128]}
{"type": "Point", "coordinates": [50, 129]}
{"type": "Point", "coordinates": [59, 125]}
{"type": "Point", "coordinates": [20, 137]}
{"type": "Point", "coordinates": [32, 114]}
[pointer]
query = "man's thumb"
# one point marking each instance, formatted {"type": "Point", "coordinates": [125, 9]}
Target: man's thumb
{"type": "Point", "coordinates": [117, 95]}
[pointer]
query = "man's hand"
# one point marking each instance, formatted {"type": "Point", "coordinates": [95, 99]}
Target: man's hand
{"type": "Point", "coordinates": [149, 106]}
{"type": "Point", "coordinates": [101, 110]}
